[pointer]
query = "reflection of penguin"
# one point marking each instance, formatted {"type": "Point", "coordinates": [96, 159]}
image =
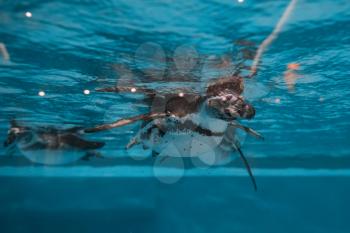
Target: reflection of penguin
{"type": "Point", "coordinates": [48, 145]}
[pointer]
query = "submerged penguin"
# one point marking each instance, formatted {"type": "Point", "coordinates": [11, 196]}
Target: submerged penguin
{"type": "Point", "coordinates": [49, 145]}
{"type": "Point", "coordinates": [192, 123]}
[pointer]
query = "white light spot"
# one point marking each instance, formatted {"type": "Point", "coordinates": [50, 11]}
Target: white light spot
{"type": "Point", "coordinates": [133, 89]}
{"type": "Point", "coordinates": [181, 94]}
{"type": "Point", "coordinates": [86, 92]}
{"type": "Point", "coordinates": [41, 93]}
{"type": "Point", "coordinates": [240, 1]}
{"type": "Point", "coordinates": [28, 14]}
{"type": "Point", "coordinates": [277, 100]}
{"type": "Point", "coordinates": [321, 99]}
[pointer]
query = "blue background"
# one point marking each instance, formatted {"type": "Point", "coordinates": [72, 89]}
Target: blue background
{"type": "Point", "coordinates": [302, 167]}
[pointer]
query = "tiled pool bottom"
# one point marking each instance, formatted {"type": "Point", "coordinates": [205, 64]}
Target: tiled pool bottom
{"type": "Point", "coordinates": [47, 199]}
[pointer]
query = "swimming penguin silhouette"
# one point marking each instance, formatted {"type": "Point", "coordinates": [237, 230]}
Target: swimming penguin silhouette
{"type": "Point", "coordinates": [49, 145]}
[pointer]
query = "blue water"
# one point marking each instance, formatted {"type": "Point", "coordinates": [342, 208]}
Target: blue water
{"type": "Point", "coordinates": [67, 47]}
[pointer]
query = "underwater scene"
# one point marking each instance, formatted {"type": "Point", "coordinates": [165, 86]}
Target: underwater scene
{"type": "Point", "coordinates": [175, 116]}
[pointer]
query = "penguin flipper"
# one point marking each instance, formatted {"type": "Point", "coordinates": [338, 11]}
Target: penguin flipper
{"type": "Point", "coordinates": [248, 130]}
{"type": "Point", "coordinates": [125, 121]}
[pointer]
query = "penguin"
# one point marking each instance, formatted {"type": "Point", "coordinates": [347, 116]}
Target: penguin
{"type": "Point", "coordinates": [50, 145]}
{"type": "Point", "coordinates": [190, 122]}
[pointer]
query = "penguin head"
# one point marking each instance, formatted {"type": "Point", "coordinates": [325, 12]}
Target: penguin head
{"type": "Point", "coordinates": [230, 106]}
{"type": "Point", "coordinates": [13, 133]}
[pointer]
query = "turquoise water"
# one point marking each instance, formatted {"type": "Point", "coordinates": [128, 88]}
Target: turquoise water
{"type": "Point", "coordinates": [66, 47]}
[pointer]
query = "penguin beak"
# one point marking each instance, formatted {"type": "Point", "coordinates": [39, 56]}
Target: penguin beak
{"type": "Point", "coordinates": [248, 111]}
